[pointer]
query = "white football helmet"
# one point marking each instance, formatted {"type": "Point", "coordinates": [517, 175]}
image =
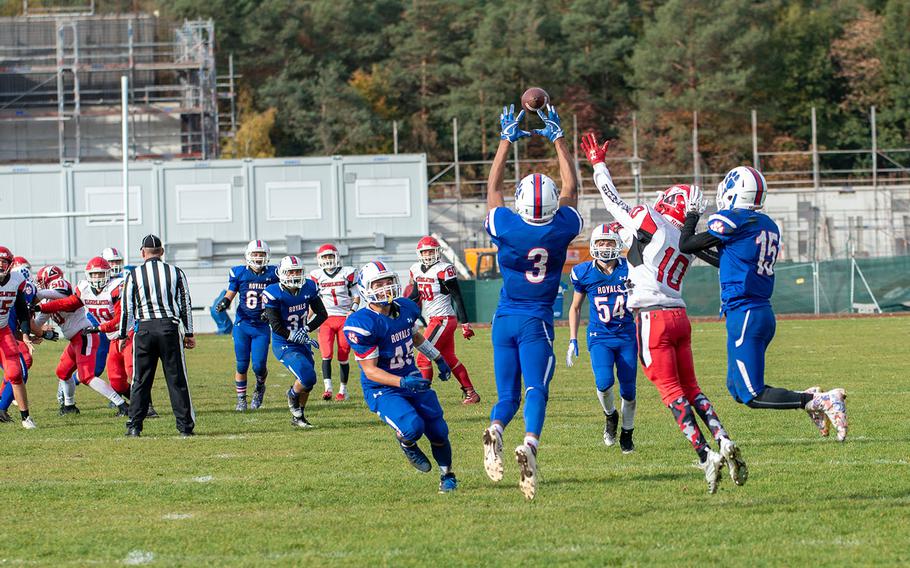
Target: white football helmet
{"type": "Point", "coordinates": [327, 257]}
{"type": "Point", "coordinates": [374, 272]}
{"type": "Point", "coordinates": [606, 244]}
{"type": "Point", "coordinates": [257, 254]}
{"type": "Point", "coordinates": [290, 272]}
{"type": "Point", "coordinates": [115, 259]}
{"type": "Point", "coordinates": [536, 198]}
{"type": "Point", "coordinates": [742, 188]}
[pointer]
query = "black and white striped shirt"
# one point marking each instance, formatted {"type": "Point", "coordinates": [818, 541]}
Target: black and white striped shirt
{"type": "Point", "coordinates": [155, 290]}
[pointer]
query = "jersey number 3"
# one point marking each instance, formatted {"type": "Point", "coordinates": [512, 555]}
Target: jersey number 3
{"type": "Point", "coordinates": [538, 257]}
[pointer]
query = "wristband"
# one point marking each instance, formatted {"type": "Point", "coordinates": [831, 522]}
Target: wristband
{"type": "Point", "coordinates": [429, 350]}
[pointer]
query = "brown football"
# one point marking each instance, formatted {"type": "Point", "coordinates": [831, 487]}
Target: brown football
{"type": "Point", "coordinates": [534, 98]}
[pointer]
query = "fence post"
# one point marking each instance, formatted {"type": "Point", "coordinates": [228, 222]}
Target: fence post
{"type": "Point", "coordinates": [575, 152]}
{"type": "Point", "coordinates": [695, 147]}
{"type": "Point", "coordinates": [395, 137]}
{"type": "Point", "coordinates": [873, 126]}
{"type": "Point", "coordinates": [815, 180]}
{"type": "Point", "coordinates": [816, 288]}
{"type": "Point", "coordinates": [454, 155]}
{"type": "Point", "coordinates": [755, 163]}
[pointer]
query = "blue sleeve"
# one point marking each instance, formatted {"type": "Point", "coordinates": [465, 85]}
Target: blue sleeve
{"type": "Point", "coordinates": [234, 279]}
{"type": "Point", "coordinates": [723, 225]}
{"type": "Point", "coordinates": [309, 290]}
{"type": "Point", "coordinates": [576, 277]}
{"type": "Point", "coordinates": [270, 297]}
{"type": "Point", "coordinates": [361, 336]}
{"type": "Point", "coordinates": [571, 221]}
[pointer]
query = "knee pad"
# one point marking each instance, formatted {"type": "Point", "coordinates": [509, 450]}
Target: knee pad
{"type": "Point", "coordinates": [261, 370]}
{"type": "Point", "coordinates": [437, 431]}
{"type": "Point", "coordinates": [411, 428]}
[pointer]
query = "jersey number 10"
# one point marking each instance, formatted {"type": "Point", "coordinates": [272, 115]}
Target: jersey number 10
{"type": "Point", "coordinates": [673, 277]}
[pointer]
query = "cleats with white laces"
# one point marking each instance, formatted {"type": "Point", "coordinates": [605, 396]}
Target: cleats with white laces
{"type": "Point", "coordinates": [739, 472]}
{"type": "Point", "coordinates": [29, 424]}
{"type": "Point", "coordinates": [818, 417]}
{"type": "Point", "coordinates": [833, 405]}
{"type": "Point", "coordinates": [492, 454]}
{"type": "Point", "coordinates": [713, 468]}
{"type": "Point", "coordinates": [527, 467]}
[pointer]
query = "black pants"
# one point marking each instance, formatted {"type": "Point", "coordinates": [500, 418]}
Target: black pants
{"type": "Point", "coordinates": [160, 339]}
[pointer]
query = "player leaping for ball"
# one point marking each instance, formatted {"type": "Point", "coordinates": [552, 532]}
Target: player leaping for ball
{"type": "Point", "coordinates": [382, 336]}
{"type": "Point", "coordinates": [747, 243]}
{"type": "Point", "coordinates": [434, 283]}
{"type": "Point", "coordinates": [656, 270]}
{"type": "Point", "coordinates": [532, 242]}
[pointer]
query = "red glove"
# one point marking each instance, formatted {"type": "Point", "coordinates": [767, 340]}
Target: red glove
{"type": "Point", "coordinates": [466, 331]}
{"type": "Point", "coordinates": [595, 153]}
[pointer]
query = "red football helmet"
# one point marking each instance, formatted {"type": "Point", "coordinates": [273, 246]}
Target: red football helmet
{"type": "Point", "coordinates": [671, 203]}
{"type": "Point", "coordinates": [6, 261]}
{"type": "Point", "coordinates": [47, 276]}
{"type": "Point", "coordinates": [327, 257]}
{"type": "Point", "coordinates": [428, 251]}
{"type": "Point", "coordinates": [98, 272]}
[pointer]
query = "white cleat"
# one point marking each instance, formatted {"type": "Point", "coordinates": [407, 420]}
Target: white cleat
{"type": "Point", "coordinates": [818, 417]}
{"type": "Point", "coordinates": [492, 454]}
{"type": "Point", "coordinates": [739, 472]}
{"type": "Point", "coordinates": [29, 424]}
{"type": "Point", "coordinates": [527, 466]}
{"type": "Point", "coordinates": [833, 405]}
{"type": "Point", "coordinates": [713, 468]}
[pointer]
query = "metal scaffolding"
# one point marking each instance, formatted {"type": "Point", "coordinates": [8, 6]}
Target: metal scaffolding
{"type": "Point", "coordinates": [64, 70]}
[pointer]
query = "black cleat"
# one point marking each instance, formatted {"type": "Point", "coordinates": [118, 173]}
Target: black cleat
{"type": "Point", "coordinates": [122, 410]}
{"type": "Point", "coordinates": [625, 441]}
{"type": "Point", "coordinates": [188, 434]}
{"type": "Point", "coordinates": [71, 409]}
{"type": "Point", "coordinates": [5, 417]}
{"type": "Point", "coordinates": [610, 423]}
{"type": "Point", "coordinates": [152, 413]}
{"type": "Point", "coordinates": [132, 432]}
{"type": "Point", "coordinates": [301, 422]}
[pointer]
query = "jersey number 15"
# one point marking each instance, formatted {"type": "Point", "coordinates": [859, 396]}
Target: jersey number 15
{"type": "Point", "coordinates": [768, 243]}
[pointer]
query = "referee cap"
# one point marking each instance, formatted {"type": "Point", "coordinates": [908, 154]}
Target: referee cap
{"type": "Point", "coordinates": [151, 241]}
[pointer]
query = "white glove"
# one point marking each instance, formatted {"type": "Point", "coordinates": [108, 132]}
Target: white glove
{"type": "Point", "coordinates": [299, 336]}
{"type": "Point", "coordinates": [572, 352]}
{"type": "Point", "coordinates": [695, 201]}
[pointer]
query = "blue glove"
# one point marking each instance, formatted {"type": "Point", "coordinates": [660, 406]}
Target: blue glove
{"type": "Point", "coordinates": [445, 372]}
{"type": "Point", "coordinates": [552, 126]}
{"type": "Point", "coordinates": [509, 123]}
{"type": "Point", "coordinates": [414, 383]}
{"type": "Point", "coordinates": [572, 352]}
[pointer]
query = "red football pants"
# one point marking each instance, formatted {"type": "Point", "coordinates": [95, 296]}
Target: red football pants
{"type": "Point", "coordinates": [665, 352]}
{"type": "Point", "coordinates": [440, 332]}
{"type": "Point", "coordinates": [79, 356]}
{"type": "Point", "coordinates": [26, 354]}
{"type": "Point", "coordinates": [329, 332]}
{"type": "Point", "coordinates": [9, 357]}
{"type": "Point", "coordinates": [120, 366]}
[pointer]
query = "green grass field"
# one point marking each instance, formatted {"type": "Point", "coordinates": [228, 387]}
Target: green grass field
{"type": "Point", "coordinates": [249, 490]}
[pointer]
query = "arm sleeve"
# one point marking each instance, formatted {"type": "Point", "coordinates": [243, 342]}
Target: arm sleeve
{"type": "Point", "coordinates": [273, 316]}
{"type": "Point", "coordinates": [67, 304]}
{"type": "Point", "coordinates": [186, 303]}
{"type": "Point", "coordinates": [709, 256]}
{"type": "Point", "coordinates": [614, 204]}
{"type": "Point", "coordinates": [692, 243]}
{"type": "Point", "coordinates": [22, 313]}
{"type": "Point", "coordinates": [453, 288]}
{"type": "Point", "coordinates": [126, 301]}
{"type": "Point", "coordinates": [319, 314]}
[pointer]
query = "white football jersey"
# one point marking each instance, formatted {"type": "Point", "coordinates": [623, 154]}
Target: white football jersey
{"type": "Point", "coordinates": [8, 293]}
{"type": "Point", "coordinates": [101, 304]}
{"type": "Point", "coordinates": [336, 290]}
{"type": "Point", "coordinates": [657, 278]}
{"type": "Point", "coordinates": [70, 323]}
{"type": "Point", "coordinates": [435, 302]}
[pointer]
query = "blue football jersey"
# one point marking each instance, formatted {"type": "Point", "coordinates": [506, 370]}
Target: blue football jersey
{"type": "Point", "coordinates": [607, 295]}
{"type": "Point", "coordinates": [30, 292]}
{"type": "Point", "coordinates": [248, 286]}
{"type": "Point", "coordinates": [750, 242]}
{"type": "Point", "coordinates": [295, 308]}
{"type": "Point", "coordinates": [531, 258]}
{"type": "Point", "coordinates": [387, 339]}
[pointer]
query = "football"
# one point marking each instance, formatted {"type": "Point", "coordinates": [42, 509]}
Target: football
{"type": "Point", "coordinates": [534, 99]}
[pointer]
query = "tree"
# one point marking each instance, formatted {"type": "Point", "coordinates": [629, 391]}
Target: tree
{"type": "Point", "coordinates": [252, 139]}
{"type": "Point", "coordinates": [894, 52]}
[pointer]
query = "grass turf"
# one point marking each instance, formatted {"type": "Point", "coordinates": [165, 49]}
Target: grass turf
{"type": "Point", "coordinates": [249, 490]}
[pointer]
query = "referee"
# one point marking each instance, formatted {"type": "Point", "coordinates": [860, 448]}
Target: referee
{"type": "Point", "coordinates": [155, 296]}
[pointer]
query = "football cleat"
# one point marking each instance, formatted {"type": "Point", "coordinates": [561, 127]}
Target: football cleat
{"type": "Point", "coordinates": [258, 395]}
{"type": "Point", "coordinates": [152, 413]}
{"type": "Point", "coordinates": [29, 424]}
{"type": "Point", "coordinates": [416, 456]}
{"type": "Point", "coordinates": [5, 417]}
{"type": "Point", "coordinates": [492, 454]}
{"type": "Point", "coordinates": [833, 404]}
{"type": "Point", "coordinates": [818, 417]}
{"type": "Point", "coordinates": [625, 441]}
{"type": "Point", "coordinates": [447, 483]}
{"type": "Point", "coordinates": [59, 393]}
{"type": "Point", "coordinates": [327, 395]}
{"type": "Point", "coordinates": [469, 396]}
{"type": "Point", "coordinates": [122, 410]}
{"type": "Point", "coordinates": [713, 466]}
{"type": "Point", "coordinates": [71, 409]}
{"type": "Point", "coordinates": [241, 404]}
{"type": "Point", "coordinates": [610, 424]}
{"type": "Point", "coordinates": [739, 472]}
{"type": "Point", "coordinates": [527, 467]}
{"type": "Point", "coordinates": [300, 421]}
{"type": "Point", "coordinates": [341, 397]}
{"type": "Point", "coordinates": [294, 404]}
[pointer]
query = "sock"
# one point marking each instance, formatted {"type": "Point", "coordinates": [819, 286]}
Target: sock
{"type": "Point", "coordinates": [343, 389]}
{"type": "Point", "coordinates": [497, 428]}
{"type": "Point", "coordinates": [628, 414]}
{"type": "Point", "coordinates": [101, 387]}
{"type": "Point", "coordinates": [327, 373]}
{"type": "Point", "coordinates": [328, 384]}
{"type": "Point", "coordinates": [532, 442]}
{"type": "Point", "coordinates": [241, 388]}
{"type": "Point", "coordinates": [705, 409]}
{"type": "Point", "coordinates": [780, 399]}
{"type": "Point", "coordinates": [260, 379]}
{"type": "Point", "coordinates": [345, 372]}
{"type": "Point", "coordinates": [23, 414]}
{"type": "Point", "coordinates": [444, 469]}
{"type": "Point", "coordinates": [69, 391]}
{"type": "Point", "coordinates": [461, 375]}
{"type": "Point", "coordinates": [442, 453]}
{"type": "Point", "coordinates": [606, 400]}
{"type": "Point", "coordinates": [685, 419]}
